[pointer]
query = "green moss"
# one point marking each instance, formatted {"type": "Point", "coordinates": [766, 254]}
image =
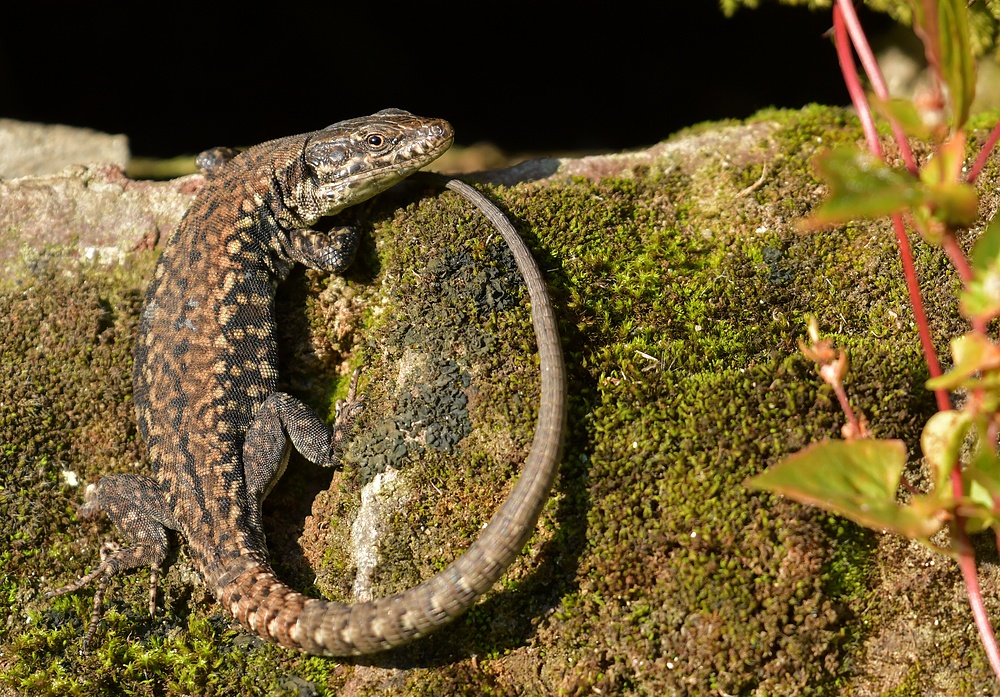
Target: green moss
{"type": "Point", "coordinates": [192, 661]}
{"type": "Point", "coordinates": [911, 686]}
{"type": "Point", "coordinates": [680, 292]}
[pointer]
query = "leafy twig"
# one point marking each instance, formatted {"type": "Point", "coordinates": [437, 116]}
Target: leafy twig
{"type": "Point", "coordinates": [843, 18]}
{"type": "Point", "coordinates": [858, 477]}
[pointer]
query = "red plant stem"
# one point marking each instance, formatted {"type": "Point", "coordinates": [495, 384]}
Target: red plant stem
{"type": "Point", "coordinates": [843, 14]}
{"type": "Point", "coordinates": [845, 10]}
{"type": "Point", "coordinates": [957, 257]}
{"type": "Point", "coordinates": [961, 264]}
{"type": "Point", "coordinates": [923, 329]}
{"type": "Point", "coordinates": [854, 88]}
{"type": "Point", "coordinates": [905, 252]}
{"type": "Point", "coordinates": [967, 564]}
{"type": "Point", "coordinates": [845, 405]}
{"type": "Point", "coordinates": [984, 154]}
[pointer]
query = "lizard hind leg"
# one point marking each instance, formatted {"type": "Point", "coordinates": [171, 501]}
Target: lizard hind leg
{"type": "Point", "coordinates": [283, 420]}
{"type": "Point", "coordinates": [139, 511]}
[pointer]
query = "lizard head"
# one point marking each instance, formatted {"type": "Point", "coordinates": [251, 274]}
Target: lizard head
{"type": "Point", "coordinates": [353, 160]}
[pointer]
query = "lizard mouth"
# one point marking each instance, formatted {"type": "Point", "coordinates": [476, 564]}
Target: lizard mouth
{"type": "Point", "coordinates": [347, 181]}
{"type": "Point", "coordinates": [354, 188]}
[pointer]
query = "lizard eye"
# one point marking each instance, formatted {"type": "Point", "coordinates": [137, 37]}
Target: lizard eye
{"type": "Point", "coordinates": [375, 140]}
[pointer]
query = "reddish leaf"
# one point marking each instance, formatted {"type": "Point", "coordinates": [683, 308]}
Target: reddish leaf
{"type": "Point", "coordinates": [858, 480]}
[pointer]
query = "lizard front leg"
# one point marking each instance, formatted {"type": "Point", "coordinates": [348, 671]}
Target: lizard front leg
{"type": "Point", "coordinates": [331, 251]}
{"type": "Point", "coordinates": [211, 161]}
{"type": "Point", "coordinates": [139, 510]}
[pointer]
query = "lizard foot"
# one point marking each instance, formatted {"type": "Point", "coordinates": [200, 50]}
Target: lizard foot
{"type": "Point", "coordinates": [111, 556]}
{"type": "Point", "coordinates": [102, 572]}
{"type": "Point", "coordinates": [348, 409]}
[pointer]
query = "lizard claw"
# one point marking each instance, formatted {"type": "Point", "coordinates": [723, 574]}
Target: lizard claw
{"type": "Point", "coordinates": [349, 409]}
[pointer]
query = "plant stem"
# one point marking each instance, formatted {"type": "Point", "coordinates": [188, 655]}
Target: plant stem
{"type": "Point", "coordinates": [853, 84]}
{"type": "Point", "coordinates": [913, 289]}
{"type": "Point", "coordinates": [961, 264]}
{"type": "Point", "coordinates": [845, 406]}
{"type": "Point", "coordinates": [847, 16]}
{"type": "Point", "coordinates": [845, 22]}
{"type": "Point", "coordinates": [967, 564]}
{"type": "Point", "coordinates": [857, 93]}
{"type": "Point", "coordinates": [984, 154]}
{"type": "Point", "coordinates": [957, 257]}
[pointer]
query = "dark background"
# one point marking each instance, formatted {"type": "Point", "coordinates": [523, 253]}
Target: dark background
{"type": "Point", "coordinates": [178, 78]}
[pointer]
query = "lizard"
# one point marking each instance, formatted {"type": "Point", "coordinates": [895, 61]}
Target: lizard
{"type": "Point", "coordinates": [219, 434]}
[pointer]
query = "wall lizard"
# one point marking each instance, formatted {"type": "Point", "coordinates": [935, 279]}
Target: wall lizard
{"type": "Point", "coordinates": [219, 433]}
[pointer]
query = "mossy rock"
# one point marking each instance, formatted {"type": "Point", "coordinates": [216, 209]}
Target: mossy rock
{"type": "Point", "coordinates": [681, 280]}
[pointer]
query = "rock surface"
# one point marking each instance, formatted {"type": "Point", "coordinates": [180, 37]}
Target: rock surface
{"type": "Point", "coordinates": [32, 149]}
{"type": "Point", "coordinates": [681, 282]}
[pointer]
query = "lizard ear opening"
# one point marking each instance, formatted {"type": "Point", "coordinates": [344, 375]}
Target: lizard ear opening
{"type": "Point", "coordinates": [325, 154]}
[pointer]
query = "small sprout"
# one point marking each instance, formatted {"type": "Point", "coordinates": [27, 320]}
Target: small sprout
{"type": "Point", "coordinates": [833, 372]}
{"type": "Point", "coordinates": [819, 350]}
{"type": "Point", "coordinates": [832, 366]}
{"type": "Point", "coordinates": [854, 431]}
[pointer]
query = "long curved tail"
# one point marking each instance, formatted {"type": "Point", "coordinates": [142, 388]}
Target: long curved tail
{"type": "Point", "coordinates": [266, 606]}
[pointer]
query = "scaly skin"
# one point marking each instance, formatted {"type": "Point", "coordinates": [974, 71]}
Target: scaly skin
{"type": "Point", "coordinates": [219, 433]}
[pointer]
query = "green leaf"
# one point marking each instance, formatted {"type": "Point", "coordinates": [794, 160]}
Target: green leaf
{"type": "Point", "coordinates": [971, 354]}
{"type": "Point", "coordinates": [858, 480]}
{"type": "Point", "coordinates": [958, 66]}
{"type": "Point", "coordinates": [949, 198]}
{"type": "Point", "coordinates": [955, 204]}
{"type": "Point", "coordinates": [862, 186]}
{"type": "Point", "coordinates": [982, 479]}
{"type": "Point", "coordinates": [905, 113]}
{"type": "Point", "coordinates": [945, 166]}
{"type": "Point", "coordinates": [981, 296]}
{"type": "Point", "coordinates": [984, 468]}
{"type": "Point", "coordinates": [978, 515]}
{"type": "Point", "coordinates": [986, 250]}
{"type": "Point", "coordinates": [941, 441]}
{"type": "Point", "coordinates": [949, 51]}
